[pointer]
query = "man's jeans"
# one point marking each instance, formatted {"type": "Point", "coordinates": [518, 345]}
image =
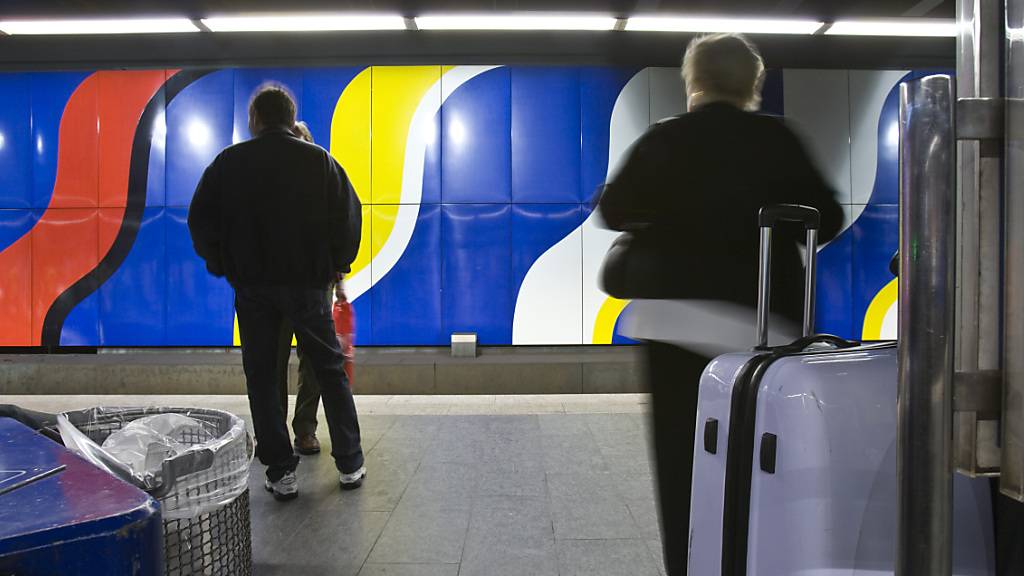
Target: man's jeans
{"type": "Point", "coordinates": [261, 311]}
{"type": "Point", "coordinates": [307, 401]}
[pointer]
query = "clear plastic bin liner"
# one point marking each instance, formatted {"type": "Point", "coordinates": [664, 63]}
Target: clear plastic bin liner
{"type": "Point", "coordinates": [193, 460]}
{"type": "Point", "coordinates": [145, 443]}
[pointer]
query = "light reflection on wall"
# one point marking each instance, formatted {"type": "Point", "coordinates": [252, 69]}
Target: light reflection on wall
{"type": "Point", "coordinates": [198, 133]}
{"type": "Point", "coordinates": [457, 131]}
{"type": "Point", "coordinates": [160, 131]}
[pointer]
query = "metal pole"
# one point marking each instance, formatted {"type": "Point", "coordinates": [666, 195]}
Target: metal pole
{"type": "Point", "coordinates": [979, 232]}
{"type": "Point", "coordinates": [764, 289]}
{"type": "Point", "coordinates": [926, 320]}
{"type": "Point", "coordinates": [809, 281]}
{"type": "Point", "coordinates": [1012, 481]}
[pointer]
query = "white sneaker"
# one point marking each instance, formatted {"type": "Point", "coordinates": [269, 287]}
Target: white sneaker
{"type": "Point", "coordinates": [287, 488]}
{"type": "Point", "coordinates": [353, 480]}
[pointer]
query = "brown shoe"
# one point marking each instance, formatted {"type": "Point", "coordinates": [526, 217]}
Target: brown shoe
{"type": "Point", "coordinates": [307, 444]}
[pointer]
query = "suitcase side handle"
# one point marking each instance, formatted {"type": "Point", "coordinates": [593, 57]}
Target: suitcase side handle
{"type": "Point", "coordinates": [767, 218]}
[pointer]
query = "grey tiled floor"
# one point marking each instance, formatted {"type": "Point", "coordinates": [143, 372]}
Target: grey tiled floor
{"type": "Point", "coordinates": [462, 486]}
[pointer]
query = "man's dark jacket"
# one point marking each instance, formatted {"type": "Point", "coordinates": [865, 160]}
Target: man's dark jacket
{"type": "Point", "coordinates": [690, 190]}
{"type": "Point", "coordinates": [275, 211]}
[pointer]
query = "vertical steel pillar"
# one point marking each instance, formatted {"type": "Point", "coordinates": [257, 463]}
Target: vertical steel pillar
{"type": "Point", "coordinates": [979, 229]}
{"type": "Point", "coordinates": [926, 322]}
{"type": "Point", "coordinates": [1012, 473]}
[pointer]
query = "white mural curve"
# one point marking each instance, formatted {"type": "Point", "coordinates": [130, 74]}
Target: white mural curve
{"type": "Point", "coordinates": [422, 132]}
{"type": "Point", "coordinates": [545, 301]}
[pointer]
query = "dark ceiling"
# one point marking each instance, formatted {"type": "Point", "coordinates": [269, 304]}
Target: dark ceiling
{"type": "Point", "coordinates": [411, 47]}
{"type": "Point", "coordinates": [822, 9]}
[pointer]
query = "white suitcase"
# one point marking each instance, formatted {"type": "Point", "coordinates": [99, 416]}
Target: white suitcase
{"type": "Point", "coordinates": [794, 469]}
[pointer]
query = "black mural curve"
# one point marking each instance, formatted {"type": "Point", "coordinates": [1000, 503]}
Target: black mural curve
{"type": "Point", "coordinates": [138, 177]}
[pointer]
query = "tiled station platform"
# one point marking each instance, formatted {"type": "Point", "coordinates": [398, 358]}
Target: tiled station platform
{"type": "Point", "coordinates": [525, 485]}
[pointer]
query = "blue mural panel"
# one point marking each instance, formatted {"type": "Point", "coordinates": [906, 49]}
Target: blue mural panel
{"type": "Point", "coordinates": [545, 135]}
{"type": "Point", "coordinates": [50, 94]}
{"type": "Point", "coordinates": [133, 301]}
{"type": "Point", "coordinates": [14, 224]}
{"type": "Point", "coordinates": [887, 172]}
{"type": "Point", "coordinates": [321, 88]}
{"type": "Point", "coordinates": [81, 328]}
{"type": "Point", "coordinates": [406, 302]}
{"type": "Point", "coordinates": [477, 278]}
{"type": "Point", "coordinates": [199, 125]}
{"type": "Point", "coordinates": [432, 167]}
{"type": "Point", "coordinates": [875, 239]}
{"type": "Point", "coordinates": [887, 169]}
{"type": "Point", "coordinates": [200, 307]}
{"type": "Point", "coordinates": [15, 141]}
{"type": "Point", "coordinates": [249, 80]}
{"type": "Point", "coordinates": [363, 325]}
{"type": "Point", "coordinates": [834, 285]}
{"type": "Point", "coordinates": [156, 175]}
{"type": "Point", "coordinates": [599, 88]}
{"type": "Point", "coordinates": [475, 141]}
{"type": "Point", "coordinates": [535, 229]}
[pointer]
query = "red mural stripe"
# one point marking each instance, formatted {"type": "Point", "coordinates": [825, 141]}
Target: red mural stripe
{"type": "Point", "coordinates": [16, 293]}
{"type": "Point", "coordinates": [96, 134]}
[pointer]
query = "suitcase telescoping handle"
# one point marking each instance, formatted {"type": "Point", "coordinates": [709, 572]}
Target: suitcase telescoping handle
{"type": "Point", "coordinates": [767, 218]}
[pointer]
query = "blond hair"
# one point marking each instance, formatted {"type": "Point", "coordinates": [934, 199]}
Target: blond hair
{"type": "Point", "coordinates": [724, 67]}
{"type": "Point", "coordinates": [302, 132]}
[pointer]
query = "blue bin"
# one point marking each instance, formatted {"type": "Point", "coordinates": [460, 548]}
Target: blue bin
{"type": "Point", "coordinates": [78, 520]}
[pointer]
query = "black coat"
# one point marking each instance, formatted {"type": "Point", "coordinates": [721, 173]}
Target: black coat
{"type": "Point", "coordinates": [275, 211]}
{"type": "Point", "coordinates": [690, 190]}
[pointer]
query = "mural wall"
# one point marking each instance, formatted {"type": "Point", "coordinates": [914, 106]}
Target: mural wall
{"type": "Point", "coordinates": [476, 184]}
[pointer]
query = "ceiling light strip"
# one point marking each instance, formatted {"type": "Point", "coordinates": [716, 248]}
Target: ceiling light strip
{"type": "Point", "coordinates": [536, 21]}
{"type": "Point", "coordinates": [516, 21]}
{"type": "Point", "coordinates": [904, 27]}
{"type": "Point", "coordinates": [742, 25]}
{"type": "Point", "coordinates": [98, 26]}
{"type": "Point", "coordinates": [304, 22]}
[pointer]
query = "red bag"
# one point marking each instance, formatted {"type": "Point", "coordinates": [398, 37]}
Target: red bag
{"type": "Point", "coordinates": [344, 326]}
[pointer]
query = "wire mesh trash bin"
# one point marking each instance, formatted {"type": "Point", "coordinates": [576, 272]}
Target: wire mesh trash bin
{"type": "Point", "coordinates": [194, 461]}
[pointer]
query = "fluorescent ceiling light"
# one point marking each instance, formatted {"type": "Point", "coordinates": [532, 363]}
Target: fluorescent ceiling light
{"type": "Point", "coordinates": [745, 25]}
{"type": "Point", "coordinates": [304, 22]}
{"type": "Point", "coordinates": [108, 26]}
{"type": "Point", "coordinates": [516, 21]}
{"type": "Point", "coordinates": [896, 27]}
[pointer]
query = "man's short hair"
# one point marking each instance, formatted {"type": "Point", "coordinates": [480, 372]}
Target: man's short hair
{"type": "Point", "coordinates": [724, 66]}
{"type": "Point", "coordinates": [274, 106]}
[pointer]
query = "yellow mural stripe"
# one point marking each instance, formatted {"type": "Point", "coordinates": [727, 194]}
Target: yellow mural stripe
{"type": "Point", "coordinates": [607, 316]}
{"type": "Point", "coordinates": [880, 304]}
{"type": "Point", "coordinates": [397, 92]}
{"type": "Point", "coordinates": [350, 146]}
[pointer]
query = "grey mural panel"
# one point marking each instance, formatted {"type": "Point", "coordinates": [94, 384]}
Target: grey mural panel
{"type": "Point", "coordinates": [668, 98]}
{"type": "Point", "coordinates": [817, 108]}
{"type": "Point", "coordinates": [868, 91]}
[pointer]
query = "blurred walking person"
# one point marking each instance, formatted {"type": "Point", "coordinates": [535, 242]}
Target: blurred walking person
{"type": "Point", "coordinates": [688, 196]}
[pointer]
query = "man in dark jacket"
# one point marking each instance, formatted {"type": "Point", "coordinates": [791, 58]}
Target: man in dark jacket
{"type": "Point", "coordinates": [279, 219]}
